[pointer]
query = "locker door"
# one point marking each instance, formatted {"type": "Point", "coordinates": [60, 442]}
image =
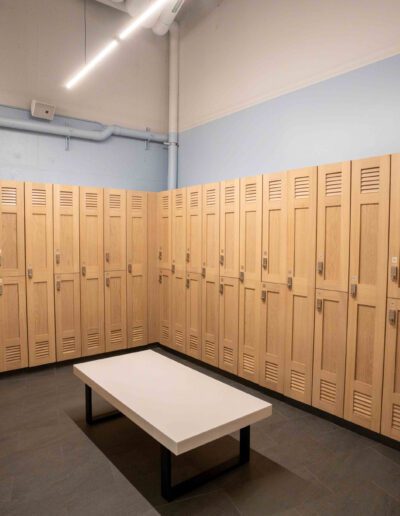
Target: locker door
{"type": "Point", "coordinates": [249, 329]}
{"type": "Point", "coordinates": [330, 351]}
{"type": "Point", "coordinates": [368, 283]}
{"type": "Point", "coordinates": [114, 230]}
{"type": "Point", "coordinates": [391, 384]}
{"type": "Point", "coordinates": [210, 241]}
{"type": "Point", "coordinates": [210, 319]}
{"type": "Point", "coordinates": [250, 228]}
{"type": "Point", "coordinates": [179, 254]}
{"type": "Point", "coordinates": [92, 271]}
{"type": "Point", "coordinates": [274, 231]}
{"type": "Point", "coordinates": [68, 316]}
{"type": "Point", "coordinates": [302, 196]}
{"type": "Point", "coordinates": [13, 329]}
{"type": "Point", "coordinates": [12, 229]}
{"type": "Point", "coordinates": [166, 335]}
{"type": "Point", "coordinates": [272, 336]}
{"type": "Point", "coordinates": [153, 286]}
{"type": "Point", "coordinates": [333, 228]}
{"type": "Point", "coordinates": [178, 314]}
{"type": "Point", "coordinates": [137, 268]}
{"type": "Point", "coordinates": [164, 230]}
{"type": "Point", "coordinates": [66, 229]}
{"type": "Point", "coordinates": [194, 233]}
{"type": "Point", "coordinates": [228, 324]}
{"type": "Point", "coordinates": [39, 263]}
{"type": "Point", "coordinates": [115, 310]}
{"type": "Point", "coordinates": [394, 235]}
{"type": "Point", "coordinates": [193, 315]}
{"type": "Point", "coordinates": [229, 228]}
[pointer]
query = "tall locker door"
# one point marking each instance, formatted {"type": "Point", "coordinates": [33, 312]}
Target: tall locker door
{"type": "Point", "coordinates": [178, 312]}
{"type": "Point", "coordinates": [39, 263]}
{"type": "Point", "coordinates": [210, 240]}
{"type": "Point", "coordinates": [394, 234]}
{"type": "Point", "coordinates": [229, 228]}
{"type": "Point", "coordinates": [164, 229]}
{"type": "Point", "coordinates": [68, 316]}
{"type": "Point", "coordinates": [153, 287]}
{"type": "Point", "coordinates": [137, 268]}
{"type": "Point", "coordinates": [391, 384]}
{"type": "Point", "coordinates": [302, 209]}
{"type": "Point", "coordinates": [114, 230]}
{"type": "Point", "coordinates": [193, 314]}
{"type": "Point", "coordinates": [92, 271]}
{"type": "Point", "coordinates": [66, 229]}
{"type": "Point", "coordinates": [194, 229]}
{"type": "Point", "coordinates": [330, 351]}
{"type": "Point", "coordinates": [272, 336]}
{"type": "Point", "coordinates": [115, 310]}
{"type": "Point", "coordinates": [250, 228]}
{"type": "Point", "coordinates": [249, 329]}
{"type": "Point", "coordinates": [13, 329]}
{"type": "Point", "coordinates": [229, 324]}
{"type": "Point", "coordinates": [368, 283]}
{"type": "Point", "coordinates": [165, 282]}
{"type": "Point", "coordinates": [210, 319]}
{"type": "Point", "coordinates": [333, 227]}
{"type": "Point", "coordinates": [274, 228]}
{"type": "Point", "coordinates": [12, 229]}
{"type": "Point", "coordinates": [179, 253]}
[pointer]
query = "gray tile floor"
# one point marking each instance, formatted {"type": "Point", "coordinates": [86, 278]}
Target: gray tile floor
{"type": "Point", "coordinates": [52, 464]}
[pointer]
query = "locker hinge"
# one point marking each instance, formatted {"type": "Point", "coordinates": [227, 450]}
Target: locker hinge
{"type": "Point", "coordinates": [392, 316]}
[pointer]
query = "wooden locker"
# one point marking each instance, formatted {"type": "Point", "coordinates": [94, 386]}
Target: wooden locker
{"type": "Point", "coordinates": [66, 229]}
{"type": "Point", "coordinates": [39, 263]}
{"type": "Point", "coordinates": [210, 233]}
{"type": "Point", "coordinates": [92, 271]}
{"type": "Point", "coordinates": [164, 229]}
{"type": "Point", "coordinates": [249, 329]}
{"type": "Point", "coordinates": [272, 336]}
{"type": "Point", "coordinates": [333, 228]}
{"type": "Point", "coordinates": [153, 287]}
{"type": "Point", "coordinates": [302, 208]}
{"type": "Point", "coordinates": [229, 228]}
{"type": "Point", "coordinates": [368, 284]}
{"type": "Point", "coordinates": [228, 324]}
{"type": "Point", "coordinates": [13, 329]}
{"type": "Point", "coordinates": [194, 229]}
{"type": "Point", "coordinates": [178, 312]}
{"type": "Point", "coordinates": [165, 297]}
{"type": "Point", "coordinates": [274, 228]}
{"type": "Point", "coordinates": [179, 253]}
{"type": "Point", "coordinates": [115, 310]}
{"type": "Point", "coordinates": [12, 229]}
{"type": "Point", "coordinates": [137, 268]}
{"type": "Point", "coordinates": [193, 314]}
{"type": "Point", "coordinates": [68, 316]}
{"type": "Point", "coordinates": [114, 229]}
{"type": "Point", "coordinates": [394, 235]}
{"type": "Point", "coordinates": [250, 228]}
{"type": "Point", "coordinates": [391, 384]}
{"type": "Point", "coordinates": [330, 351]}
{"type": "Point", "coordinates": [210, 319]}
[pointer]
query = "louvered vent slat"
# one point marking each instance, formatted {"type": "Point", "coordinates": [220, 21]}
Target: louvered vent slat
{"type": "Point", "coordinates": [327, 391]}
{"type": "Point", "coordinates": [93, 340]}
{"type": "Point", "coordinates": [362, 404]}
{"type": "Point", "coordinates": [179, 337]}
{"type": "Point", "coordinates": [302, 187]}
{"type": "Point", "coordinates": [91, 199]}
{"type": "Point", "coordinates": [211, 197]}
{"type": "Point", "coordinates": [164, 332]}
{"type": "Point", "coordinates": [396, 417]}
{"type": "Point", "coordinates": [66, 199]}
{"type": "Point", "coordinates": [297, 381]}
{"type": "Point", "coordinates": [115, 201]}
{"type": "Point", "coordinates": [230, 194]}
{"type": "Point", "coordinates": [38, 197]}
{"type": "Point", "coordinates": [275, 189]}
{"type": "Point", "coordinates": [179, 200]}
{"type": "Point", "coordinates": [194, 199]}
{"type": "Point", "coordinates": [165, 202]}
{"type": "Point", "coordinates": [42, 349]}
{"type": "Point", "coordinates": [116, 336]}
{"type": "Point", "coordinates": [68, 344]}
{"type": "Point", "coordinates": [209, 349]}
{"type": "Point", "coordinates": [249, 363]}
{"type": "Point", "coordinates": [136, 202]}
{"type": "Point", "coordinates": [137, 334]}
{"type": "Point", "coordinates": [271, 372]}
{"type": "Point", "coordinates": [333, 183]}
{"type": "Point", "coordinates": [8, 196]}
{"type": "Point", "coordinates": [227, 355]}
{"type": "Point", "coordinates": [370, 178]}
{"type": "Point", "coordinates": [251, 192]}
{"type": "Point", "coordinates": [193, 342]}
{"type": "Point", "coordinates": [12, 354]}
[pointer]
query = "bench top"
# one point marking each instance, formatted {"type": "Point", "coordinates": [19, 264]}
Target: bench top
{"type": "Point", "coordinates": [179, 407]}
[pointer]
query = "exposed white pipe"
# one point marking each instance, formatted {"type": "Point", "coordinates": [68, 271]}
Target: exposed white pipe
{"type": "Point", "coordinates": [136, 7]}
{"type": "Point", "coordinates": [173, 106]}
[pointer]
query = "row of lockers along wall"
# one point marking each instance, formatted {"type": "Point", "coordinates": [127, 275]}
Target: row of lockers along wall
{"type": "Point", "coordinates": [73, 272]}
{"type": "Point", "coordinates": [291, 280]}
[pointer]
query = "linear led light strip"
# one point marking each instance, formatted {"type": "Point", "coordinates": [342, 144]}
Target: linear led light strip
{"type": "Point", "coordinates": [113, 44]}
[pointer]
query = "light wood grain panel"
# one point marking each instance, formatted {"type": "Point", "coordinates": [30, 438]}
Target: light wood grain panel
{"type": "Point", "coordinates": [153, 286]}
{"type": "Point", "coordinates": [166, 324]}
{"type": "Point", "coordinates": [394, 234]}
{"type": "Point", "coordinates": [115, 310]}
{"type": "Point", "coordinates": [179, 222]}
{"type": "Point", "coordinates": [68, 316]}
{"type": "Point", "coordinates": [164, 229]}
{"type": "Point", "coordinates": [210, 229]}
{"type": "Point", "coordinates": [210, 319]}
{"type": "Point", "coordinates": [229, 228]}
{"type": "Point", "coordinates": [12, 229]}
{"type": "Point", "coordinates": [114, 230]}
{"type": "Point", "coordinates": [66, 229]}
{"type": "Point", "coordinates": [193, 314]}
{"type": "Point", "coordinates": [178, 310]}
{"type": "Point", "coordinates": [194, 229]}
{"type": "Point", "coordinates": [229, 324]}
{"type": "Point", "coordinates": [249, 330]}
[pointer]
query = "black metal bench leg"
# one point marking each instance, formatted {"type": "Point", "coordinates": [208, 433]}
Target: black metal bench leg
{"type": "Point", "coordinates": [244, 444]}
{"type": "Point", "coordinates": [90, 419]}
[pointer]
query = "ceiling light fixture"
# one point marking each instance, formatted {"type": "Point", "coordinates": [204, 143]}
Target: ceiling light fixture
{"type": "Point", "coordinates": [137, 22]}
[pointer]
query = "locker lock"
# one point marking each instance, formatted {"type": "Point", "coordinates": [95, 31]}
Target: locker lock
{"type": "Point", "coordinates": [203, 272]}
{"type": "Point", "coordinates": [394, 272]}
{"type": "Point", "coordinates": [265, 262]}
{"type": "Point", "coordinates": [159, 278]}
{"type": "Point", "coordinates": [108, 257]}
{"type": "Point", "coordinates": [58, 257]}
{"type": "Point", "coordinates": [319, 305]}
{"type": "Point", "coordinates": [221, 288]}
{"type": "Point", "coordinates": [107, 282]}
{"type": "Point", "coordinates": [221, 259]}
{"type": "Point", "coordinates": [241, 276]}
{"type": "Point", "coordinates": [290, 282]}
{"type": "Point", "coordinates": [353, 289]}
{"type": "Point", "coordinates": [58, 285]}
{"type": "Point", "coordinates": [30, 272]}
{"type": "Point", "coordinates": [188, 257]}
{"type": "Point", "coordinates": [187, 283]}
{"type": "Point", "coordinates": [320, 267]}
{"type": "Point", "coordinates": [173, 268]}
{"type": "Point", "coordinates": [130, 268]}
{"type": "Point", "coordinates": [263, 295]}
{"type": "Point", "coordinates": [160, 255]}
{"type": "Point", "coordinates": [83, 270]}
{"type": "Point", "coordinates": [392, 316]}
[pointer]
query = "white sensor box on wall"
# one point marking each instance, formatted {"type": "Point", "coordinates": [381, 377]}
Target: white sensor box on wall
{"type": "Point", "coordinates": [42, 110]}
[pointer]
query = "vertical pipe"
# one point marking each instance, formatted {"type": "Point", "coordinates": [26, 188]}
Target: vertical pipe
{"type": "Point", "coordinates": [173, 106]}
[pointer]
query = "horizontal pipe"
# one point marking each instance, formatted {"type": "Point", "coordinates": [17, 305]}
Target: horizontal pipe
{"type": "Point", "coordinates": [82, 134]}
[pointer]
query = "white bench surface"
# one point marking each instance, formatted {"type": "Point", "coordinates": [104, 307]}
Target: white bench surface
{"type": "Point", "coordinates": [179, 407]}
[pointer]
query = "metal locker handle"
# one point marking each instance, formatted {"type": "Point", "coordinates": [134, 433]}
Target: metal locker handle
{"type": "Point", "coordinates": [265, 262]}
{"type": "Point", "coordinates": [1, 287]}
{"type": "Point", "coordinates": [83, 270]}
{"type": "Point", "coordinates": [263, 295]}
{"type": "Point", "coordinates": [108, 257]}
{"type": "Point", "coordinates": [187, 283]}
{"type": "Point", "coordinates": [394, 272]}
{"type": "Point", "coordinates": [173, 268]}
{"type": "Point", "coordinates": [221, 259]}
{"type": "Point", "coordinates": [188, 257]}
{"type": "Point", "coordinates": [319, 305]}
{"type": "Point", "coordinates": [107, 282]}
{"type": "Point", "coordinates": [353, 289]}
{"type": "Point", "coordinates": [58, 257]}
{"type": "Point", "coordinates": [320, 267]}
{"type": "Point", "coordinates": [130, 268]}
{"type": "Point", "coordinates": [221, 288]}
{"type": "Point", "coordinates": [159, 278]}
{"type": "Point", "coordinates": [203, 272]}
{"type": "Point", "coordinates": [160, 255]}
{"type": "Point", "coordinates": [290, 282]}
{"type": "Point", "coordinates": [392, 316]}
{"type": "Point", "coordinates": [30, 272]}
{"type": "Point", "coordinates": [58, 285]}
{"type": "Point", "coordinates": [241, 276]}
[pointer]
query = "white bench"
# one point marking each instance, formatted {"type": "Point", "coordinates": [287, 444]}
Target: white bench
{"type": "Point", "coordinates": [179, 407]}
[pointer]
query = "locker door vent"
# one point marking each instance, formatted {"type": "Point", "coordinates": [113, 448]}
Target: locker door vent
{"type": "Point", "coordinates": [396, 417]}
{"type": "Point", "coordinates": [68, 344]}
{"type": "Point", "coordinates": [229, 194]}
{"type": "Point", "coordinates": [333, 183]}
{"type": "Point", "coordinates": [193, 343]}
{"type": "Point", "coordinates": [209, 349]}
{"type": "Point", "coordinates": [165, 202]}
{"type": "Point", "coordinates": [369, 180]}
{"type": "Point", "coordinates": [179, 200]}
{"type": "Point", "coordinates": [249, 363]}
{"type": "Point", "coordinates": [165, 333]}
{"type": "Point", "coordinates": [38, 197]}
{"type": "Point", "coordinates": [275, 189]}
{"type": "Point", "coordinates": [327, 391]}
{"type": "Point", "coordinates": [211, 196]}
{"type": "Point", "coordinates": [271, 372]}
{"type": "Point", "coordinates": [179, 338]}
{"type": "Point", "coordinates": [115, 201]}
{"type": "Point", "coordinates": [91, 199]}
{"type": "Point", "coordinates": [116, 336]}
{"type": "Point", "coordinates": [42, 349]}
{"type": "Point", "coordinates": [93, 340]}
{"type": "Point", "coordinates": [137, 335]}
{"type": "Point", "coordinates": [136, 202]}
{"type": "Point", "coordinates": [9, 196]}
{"type": "Point", "coordinates": [194, 199]}
{"type": "Point", "coordinates": [66, 199]}
{"type": "Point", "coordinates": [301, 187]}
{"type": "Point", "coordinates": [13, 354]}
{"type": "Point", "coordinates": [362, 404]}
{"type": "Point", "coordinates": [297, 381]}
{"type": "Point", "coordinates": [228, 356]}
{"type": "Point", "coordinates": [251, 192]}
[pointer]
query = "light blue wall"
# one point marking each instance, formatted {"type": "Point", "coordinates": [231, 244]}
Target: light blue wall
{"type": "Point", "coordinates": [117, 162]}
{"type": "Point", "coordinates": [353, 115]}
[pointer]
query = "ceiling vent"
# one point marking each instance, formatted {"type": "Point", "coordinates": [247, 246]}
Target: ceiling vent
{"type": "Point", "coordinates": [42, 110]}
